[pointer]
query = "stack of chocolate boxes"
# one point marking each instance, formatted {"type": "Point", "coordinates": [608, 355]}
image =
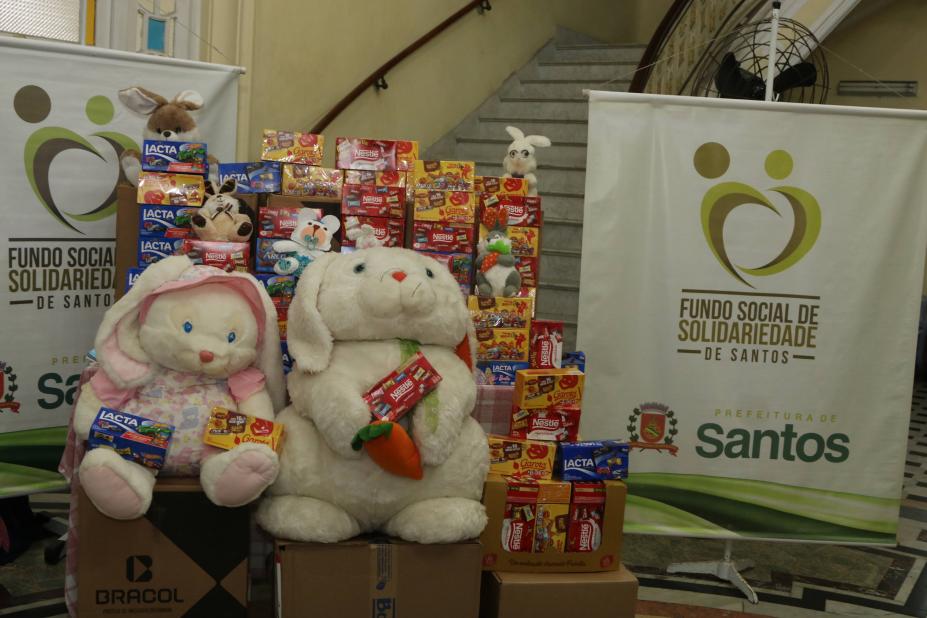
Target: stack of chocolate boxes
{"type": "Point", "coordinates": [170, 191]}
{"type": "Point", "coordinates": [374, 191]}
{"type": "Point", "coordinates": [554, 486]}
{"type": "Point", "coordinates": [503, 327]}
{"type": "Point", "coordinates": [525, 220]}
{"type": "Point", "coordinates": [444, 215]}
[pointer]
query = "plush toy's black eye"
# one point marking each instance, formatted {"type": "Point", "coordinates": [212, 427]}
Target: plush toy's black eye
{"type": "Point", "coordinates": [158, 130]}
{"type": "Point", "coordinates": [360, 268]}
{"type": "Point", "coordinates": [177, 129]}
{"type": "Point", "coordinates": [525, 153]}
{"type": "Point", "coordinates": [430, 274]}
{"type": "Point", "coordinates": [512, 153]}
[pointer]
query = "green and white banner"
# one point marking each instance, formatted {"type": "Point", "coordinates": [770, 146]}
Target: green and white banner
{"type": "Point", "coordinates": [64, 129]}
{"type": "Point", "coordinates": [751, 281]}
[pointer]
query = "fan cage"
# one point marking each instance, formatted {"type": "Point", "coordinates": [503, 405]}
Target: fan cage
{"type": "Point", "coordinates": [750, 46]}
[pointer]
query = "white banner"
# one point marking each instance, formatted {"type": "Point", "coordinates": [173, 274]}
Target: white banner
{"type": "Point", "coordinates": [750, 289]}
{"type": "Point", "coordinates": [64, 128]}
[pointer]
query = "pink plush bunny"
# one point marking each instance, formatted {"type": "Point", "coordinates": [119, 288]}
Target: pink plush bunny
{"type": "Point", "coordinates": [184, 339]}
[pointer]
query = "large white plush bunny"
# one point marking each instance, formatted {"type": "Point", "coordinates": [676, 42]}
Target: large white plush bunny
{"type": "Point", "coordinates": [355, 317]}
{"type": "Point", "coordinates": [184, 339]}
{"type": "Point", "coordinates": [519, 161]}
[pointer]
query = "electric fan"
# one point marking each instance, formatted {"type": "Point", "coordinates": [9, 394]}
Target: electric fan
{"type": "Point", "coordinates": [736, 66]}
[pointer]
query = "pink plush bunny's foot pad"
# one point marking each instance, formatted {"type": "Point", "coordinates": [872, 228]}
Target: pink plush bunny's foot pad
{"type": "Point", "coordinates": [245, 478]}
{"type": "Point", "coordinates": [111, 494]}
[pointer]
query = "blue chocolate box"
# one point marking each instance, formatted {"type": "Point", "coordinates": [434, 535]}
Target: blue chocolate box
{"type": "Point", "coordinates": [179, 157]}
{"type": "Point", "coordinates": [135, 438]}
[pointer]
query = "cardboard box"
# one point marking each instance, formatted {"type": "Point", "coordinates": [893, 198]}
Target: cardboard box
{"type": "Point", "coordinates": [280, 221]}
{"type": "Point", "coordinates": [606, 557]}
{"type": "Point", "coordinates": [557, 423]}
{"type": "Point", "coordinates": [180, 157]}
{"type": "Point", "coordinates": [185, 555]}
{"type": "Point", "coordinates": [528, 268]}
{"type": "Point", "coordinates": [374, 178]}
{"type": "Point", "coordinates": [448, 207]}
{"type": "Point", "coordinates": [170, 189]}
{"type": "Point", "coordinates": [377, 578]}
{"type": "Point", "coordinates": [611, 594]}
{"type": "Point", "coordinates": [546, 349]}
{"type": "Point", "coordinates": [388, 231]}
{"type": "Point", "coordinates": [499, 373]}
{"type": "Point", "coordinates": [431, 236]}
{"type": "Point", "coordinates": [134, 438]}
{"type": "Point", "coordinates": [166, 221]}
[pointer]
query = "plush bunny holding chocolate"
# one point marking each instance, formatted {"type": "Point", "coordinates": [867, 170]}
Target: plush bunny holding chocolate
{"type": "Point", "coordinates": [184, 339]}
{"type": "Point", "coordinates": [356, 317]}
{"type": "Point", "coordinates": [519, 161]}
{"type": "Point", "coordinates": [223, 217]}
{"type": "Point", "coordinates": [168, 120]}
{"type": "Point", "coordinates": [496, 274]}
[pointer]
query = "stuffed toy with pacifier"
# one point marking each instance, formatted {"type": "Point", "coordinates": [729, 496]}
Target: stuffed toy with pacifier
{"type": "Point", "coordinates": [310, 239]}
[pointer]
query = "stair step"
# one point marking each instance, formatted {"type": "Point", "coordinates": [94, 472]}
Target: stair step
{"type": "Point", "coordinates": [516, 121]}
{"type": "Point", "coordinates": [517, 99]}
{"type": "Point", "coordinates": [566, 46]}
{"type": "Point", "coordinates": [558, 301]}
{"type": "Point", "coordinates": [506, 142]}
{"type": "Point", "coordinates": [578, 71]}
{"type": "Point", "coordinates": [583, 82]}
{"type": "Point", "coordinates": [564, 209]}
{"type": "Point", "coordinates": [541, 166]}
{"type": "Point", "coordinates": [592, 63]}
{"type": "Point", "coordinates": [574, 133]}
{"type": "Point", "coordinates": [492, 152]}
{"type": "Point", "coordinates": [545, 89]}
{"type": "Point", "coordinates": [560, 264]}
{"type": "Point", "coordinates": [562, 237]}
{"type": "Point", "coordinates": [627, 53]}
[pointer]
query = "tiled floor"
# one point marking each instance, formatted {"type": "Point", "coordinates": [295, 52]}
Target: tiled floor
{"type": "Point", "coordinates": [793, 580]}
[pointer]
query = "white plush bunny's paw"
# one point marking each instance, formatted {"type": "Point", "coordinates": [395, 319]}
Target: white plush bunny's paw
{"type": "Point", "coordinates": [306, 519]}
{"type": "Point", "coordinates": [118, 488]}
{"type": "Point", "coordinates": [439, 520]}
{"type": "Point", "coordinates": [238, 476]}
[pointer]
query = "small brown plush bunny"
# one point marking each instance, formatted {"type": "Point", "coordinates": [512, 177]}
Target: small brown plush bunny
{"type": "Point", "coordinates": [168, 120]}
{"type": "Point", "coordinates": [223, 217]}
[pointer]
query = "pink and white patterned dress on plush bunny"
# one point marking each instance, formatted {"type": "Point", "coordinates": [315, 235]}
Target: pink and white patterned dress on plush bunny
{"type": "Point", "coordinates": [183, 340]}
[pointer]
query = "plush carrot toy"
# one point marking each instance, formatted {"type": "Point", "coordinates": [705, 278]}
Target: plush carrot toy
{"type": "Point", "coordinates": [391, 448]}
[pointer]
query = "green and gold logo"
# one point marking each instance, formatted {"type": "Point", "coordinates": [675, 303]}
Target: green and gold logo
{"type": "Point", "coordinates": [712, 160]}
{"type": "Point", "coordinates": [33, 105]}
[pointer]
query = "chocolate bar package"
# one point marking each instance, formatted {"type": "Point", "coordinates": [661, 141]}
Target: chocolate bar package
{"type": "Point", "coordinates": [543, 388]}
{"type": "Point", "coordinates": [265, 257]}
{"type": "Point", "coordinates": [377, 179]}
{"type": "Point", "coordinates": [522, 210]}
{"type": "Point", "coordinates": [498, 184]}
{"type": "Point", "coordinates": [373, 201]}
{"type": "Point", "coordinates": [280, 288]}
{"type": "Point", "coordinates": [498, 373]}
{"type": "Point", "coordinates": [227, 429]}
{"type": "Point", "coordinates": [574, 360]}
{"type": "Point", "coordinates": [131, 275]}
{"type": "Point", "coordinates": [312, 181]}
{"type": "Point", "coordinates": [292, 147]}
{"type": "Point", "coordinates": [389, 231]}
{"type": "Point", "coordinates": [255, 177]}
{"type": "Point", "coordinates": [500, 312]}
{"type": "Point", "coordinates": [546, 349]}
{"type": "Point", "coordinates": [519, 516]}
{"type": "Point", "coordinates": [518, 457]}
{"type": "Point", "coordinates": [554, 424]}
{"type": "Point", "coordinates": [502, 344]}
{"type": "Point", "coordinates": [459, 264]}
{"type": "Point", "coordinates": [587, 517]}
{"type": "Point", "coordinates": [228, 256]}
{"type": "Point", "coordinates": [430, 236]}
{"type": "Point", "coordinates": [179, 157]}
{"type": "Point", "coordinates": [380, 155]}
{"type": "Point", "coordinates": [165, 221]}
{"type": "Point", "coordinates": [170, 189]}
{"type": "Point", "coordinates": [134, 438]}
{"type": "Point", "coordinates": [280, 221]}
{"type": "Point", "coordinates": [151, 250]}
{"type": "Point", "coordinates": [443, 175]}
{"type": "Point", "coordinates": [601, 460]}
{"type": "Point", "coordinates": [396, 394]}
{"type": "Point", "coordinates": [447, 207]}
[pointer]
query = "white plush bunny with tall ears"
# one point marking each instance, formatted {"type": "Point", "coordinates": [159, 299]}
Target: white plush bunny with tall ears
{"type": "Point", "coordinates": [519, 161]}
{"type": "Point", "coordinates": [184, 339]}
{"type": "Point", "coordinates": [356, 317]}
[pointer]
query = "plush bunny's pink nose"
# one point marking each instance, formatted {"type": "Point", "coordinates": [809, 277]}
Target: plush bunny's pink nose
{"type": "Point", "coordinates": [399, 276]}
{"type": "Point", "coordinates": [206, 356]}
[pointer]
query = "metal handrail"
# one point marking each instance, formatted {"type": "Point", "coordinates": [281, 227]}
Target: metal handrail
{"type": "Point", "coordinates": [377, 79]}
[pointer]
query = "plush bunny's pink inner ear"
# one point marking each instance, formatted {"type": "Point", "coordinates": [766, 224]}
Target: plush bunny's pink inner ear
{"type": "Point", "coordinates": [125, 368]}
